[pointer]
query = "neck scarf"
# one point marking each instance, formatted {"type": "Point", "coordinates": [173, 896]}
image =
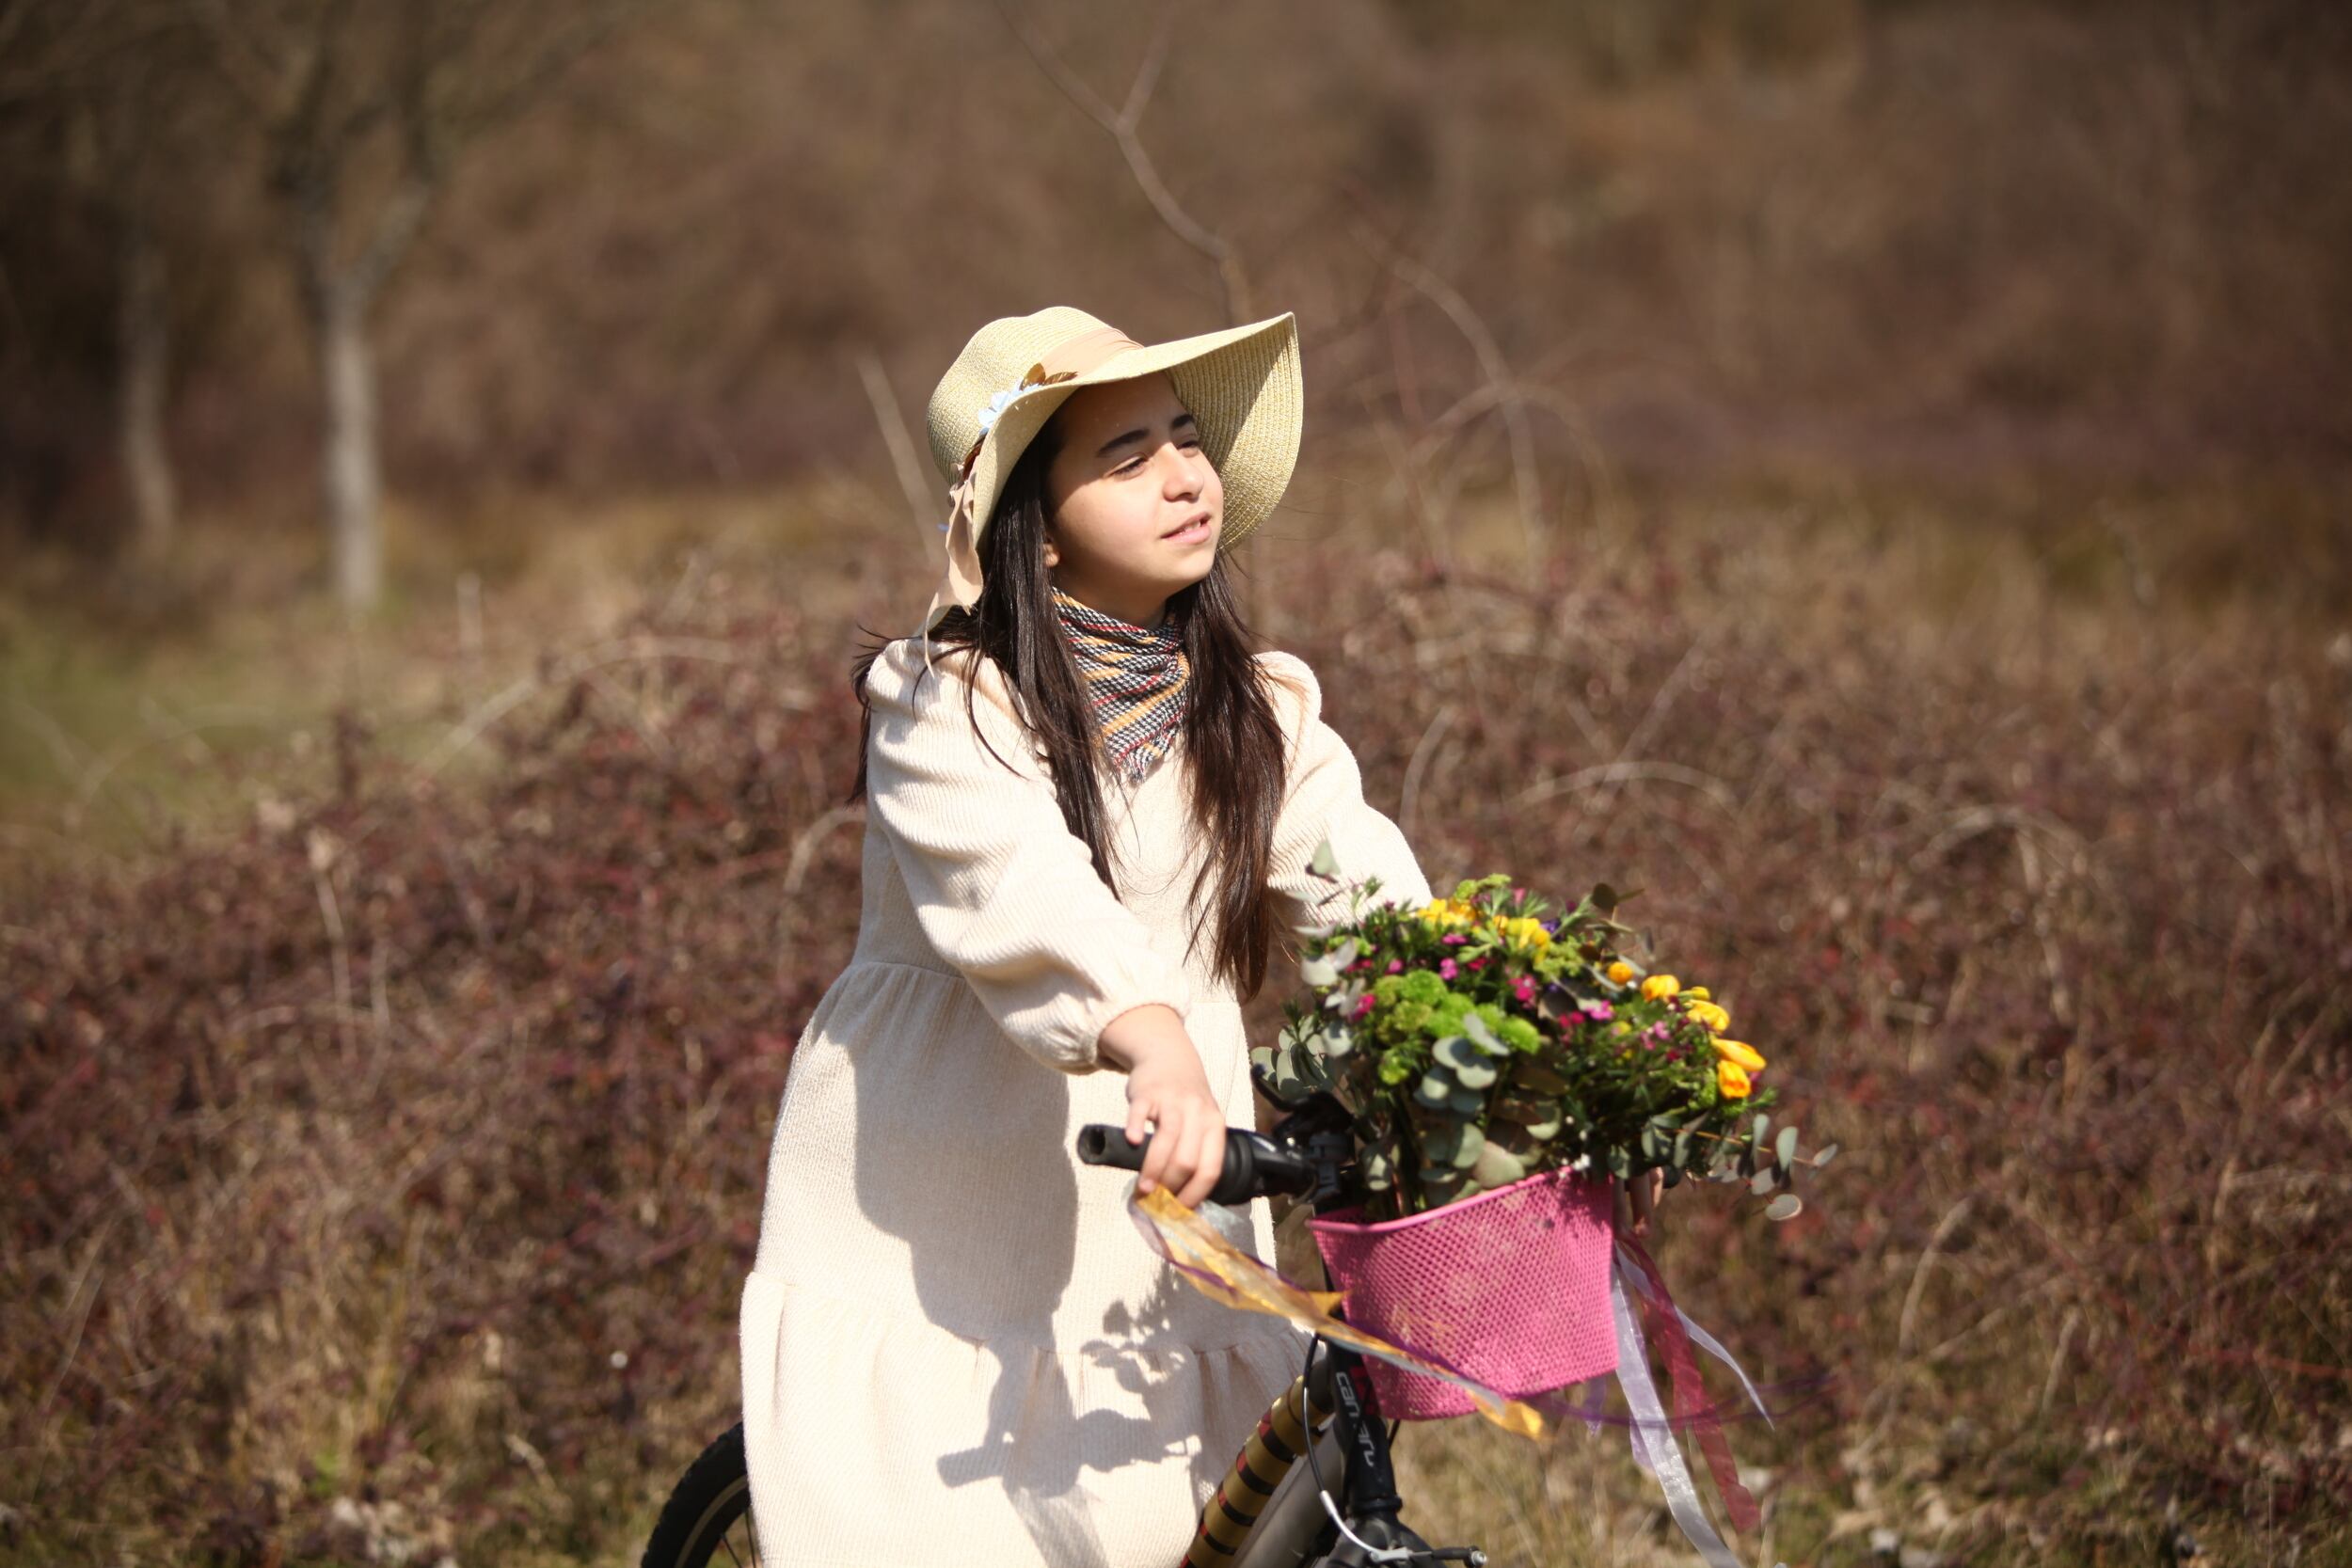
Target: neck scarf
{"type": "Point", "coordinates": [1137, 682]}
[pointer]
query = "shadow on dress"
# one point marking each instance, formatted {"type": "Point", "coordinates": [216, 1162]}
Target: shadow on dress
{"type": "Point", "coordinates": [992, 1271]}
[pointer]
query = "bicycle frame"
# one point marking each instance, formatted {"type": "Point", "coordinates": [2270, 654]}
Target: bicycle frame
{"type": "Point", "coordinates": [1267, 1512]}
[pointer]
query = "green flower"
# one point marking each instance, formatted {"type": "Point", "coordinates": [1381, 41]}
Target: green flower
{"type": "Point", "coordinates": [1519, 1034]}
{"type": "Point", "coordinates": [1420, 986]}
{"type": "Point", "coordinates": [1388, 988]}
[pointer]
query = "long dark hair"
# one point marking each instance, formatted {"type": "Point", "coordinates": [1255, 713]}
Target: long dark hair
{"type": "Point", "coordinates": [1231, 733]}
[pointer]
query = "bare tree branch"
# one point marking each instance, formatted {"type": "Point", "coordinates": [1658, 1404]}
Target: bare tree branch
{"type": "Point", "coordinates": [1121, 125]}
{"type": "Point", "coordinates": [1526, 480]}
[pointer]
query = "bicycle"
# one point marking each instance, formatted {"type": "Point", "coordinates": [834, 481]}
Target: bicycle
{"type": "Point", "coordinates": [1275, 1508]}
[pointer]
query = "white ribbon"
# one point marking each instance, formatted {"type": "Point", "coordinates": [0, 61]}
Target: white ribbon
{"type": "Point", "coordinates": [1654, 1445]}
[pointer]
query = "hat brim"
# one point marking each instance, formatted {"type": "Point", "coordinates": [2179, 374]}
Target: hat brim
{"type": "Point", "coordinates": [1240, 383]}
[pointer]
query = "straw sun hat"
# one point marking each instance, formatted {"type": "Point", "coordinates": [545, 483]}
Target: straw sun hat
{"type": "Point", "coordinates": [1241, 384]}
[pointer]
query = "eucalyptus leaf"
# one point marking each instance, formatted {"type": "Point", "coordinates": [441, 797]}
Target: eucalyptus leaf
{"type": "Point", "coordinates": [1344, 953]}
{"type": "Point", "coordinates": [1537, 1079]}
{"type": "Point", "coordinates": [1498, 1166]}
{"type": "Point", "coordinates": [1825, 1154]}
{"type": "Point", "coordinates": [1474, 1144]}
{"type": "Point", "coordinates": [1466, 1103]}
{"type": "Point", "coordinates": [1325, 864]}
{"type": "Point", "coordinates": [1764, 1180]}
{"type": "Point", "coordinates": [1785, 1147]}
{"type": "Point", "coordinates": [1318, 970]}
{"type": "Point", "coordinates": [1455, 1051]}
{"type": "Point", "coordinates": [1544, 1131]}
{"type": "Point", "coordinates": [1481, 1036]}
{"type": "Point", "coordinates": [1287, 1080]}
{"type": "Point", "coordinates": [1477, 1075]}
{"type": "Point", "coordinates": [1337, 1039]}
{"type": "Point", "coordinates": [1435, 1090]}
{"type": "Point", "coordinates": [1786, 1207]}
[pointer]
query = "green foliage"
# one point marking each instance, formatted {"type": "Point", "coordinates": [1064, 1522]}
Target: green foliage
{"type": "Point", "coordinates": [1484, 1038]}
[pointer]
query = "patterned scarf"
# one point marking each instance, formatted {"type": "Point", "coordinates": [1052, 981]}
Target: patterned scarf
{"type": "Point", "coordinates": [1138, 679]}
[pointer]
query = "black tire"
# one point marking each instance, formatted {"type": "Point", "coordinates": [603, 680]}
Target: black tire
{"type": "Point", "coordinates": [708, 1521]}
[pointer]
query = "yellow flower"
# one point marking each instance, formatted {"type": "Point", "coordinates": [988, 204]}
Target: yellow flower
{"type": "Point", "coordinates": [1716, 1020]}
{"type": "Point", "coordinates": [1698, 993]}
{"type": "Point", "coordinates": [1528, 933]}
{"type": "Point", "coordinates": [1741, 1052]}
{"type": "Point", "coordinates": [1620, 971]}
{"type": "Point", "coordinates": [1733, 1080]}
{"type": "Point", "coordinates": [1659, 985]}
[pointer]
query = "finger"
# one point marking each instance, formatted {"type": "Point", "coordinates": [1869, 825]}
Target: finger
{"type": "Point", "coordinates": [1184, 1157]}
{"type": "Point", "coordinates": [1208, 1163]}
{"type": "Point", "coordinates": [1156, 1153]}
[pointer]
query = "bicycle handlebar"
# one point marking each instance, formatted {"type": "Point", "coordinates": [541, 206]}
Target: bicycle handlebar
{"type": "Point", "coordinates": [1255, 1165]}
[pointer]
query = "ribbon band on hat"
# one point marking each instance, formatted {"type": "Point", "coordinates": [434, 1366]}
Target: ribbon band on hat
{"type": "Point", "coordinates": [1241, 384]}
{"type": "Point", "coordinates": [1065, 361]}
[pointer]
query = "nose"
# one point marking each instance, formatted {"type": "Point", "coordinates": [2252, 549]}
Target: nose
{"type": "Point", "coordinates": [1181, 476]}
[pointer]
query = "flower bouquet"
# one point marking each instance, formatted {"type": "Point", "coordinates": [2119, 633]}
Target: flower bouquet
{"type": "Point", "coordinates": [1502, 1062]}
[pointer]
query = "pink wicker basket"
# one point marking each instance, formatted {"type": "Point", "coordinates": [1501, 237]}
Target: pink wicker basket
{"type": "Point", "coordinates": [1510, 1287]}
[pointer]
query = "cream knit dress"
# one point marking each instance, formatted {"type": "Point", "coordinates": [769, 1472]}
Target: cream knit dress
{"type": "Point", "coordinates": [957, 1348]}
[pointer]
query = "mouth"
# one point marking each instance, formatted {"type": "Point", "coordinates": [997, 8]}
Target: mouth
{"type": "Point", "coordinates": [1191, 530]}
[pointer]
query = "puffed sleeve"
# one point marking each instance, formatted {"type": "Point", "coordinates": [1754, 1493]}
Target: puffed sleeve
{"type": "Point", "coordinates": [1002, 889]}
{"type": "Point", "coordinates": [1324, 798]}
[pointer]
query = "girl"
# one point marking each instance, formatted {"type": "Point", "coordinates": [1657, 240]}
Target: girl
{"type": "Point", "coordinates": [1091, 807]}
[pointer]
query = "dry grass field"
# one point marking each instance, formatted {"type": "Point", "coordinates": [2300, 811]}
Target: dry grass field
{"type": "Point", "coordinates": [395, 1019]}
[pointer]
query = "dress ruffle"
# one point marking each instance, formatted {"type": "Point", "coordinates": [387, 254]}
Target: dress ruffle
{"type": "Point", "coordinates": [901, 1436]}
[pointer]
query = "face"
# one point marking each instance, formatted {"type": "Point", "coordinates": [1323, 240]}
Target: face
{"type": "Point", "coordinates": [1135, 508]}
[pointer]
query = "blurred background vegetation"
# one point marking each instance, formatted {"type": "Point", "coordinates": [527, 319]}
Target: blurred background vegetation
{"type": "Point", "coordinates": [1872, 472]}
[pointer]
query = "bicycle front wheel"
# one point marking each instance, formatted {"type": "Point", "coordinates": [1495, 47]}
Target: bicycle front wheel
{"type": "Point", "coordinates": [708, 1521]}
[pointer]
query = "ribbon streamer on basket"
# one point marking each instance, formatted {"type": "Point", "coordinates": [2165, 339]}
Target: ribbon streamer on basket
{"type": "Point", "coordinates": [1652, 1432]}
{"type": "Point", "coordinates": [1225, 1273]}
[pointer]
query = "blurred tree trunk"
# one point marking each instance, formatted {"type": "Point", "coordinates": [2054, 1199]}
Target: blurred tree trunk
{"type": "Point", "coordinates": [98, 109]}
{"type": "Point", "coordinates": [365, 109]}
{"type": "Point", "coordinates": [339, 303]}
{"type": "Point", "coordinates": [142, 371]}
{"type": "Point", "coordinates": [352, 485]}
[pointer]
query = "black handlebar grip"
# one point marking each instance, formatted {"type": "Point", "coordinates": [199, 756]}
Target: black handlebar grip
{"type": "Point", "coordinates": [1253, 1165]}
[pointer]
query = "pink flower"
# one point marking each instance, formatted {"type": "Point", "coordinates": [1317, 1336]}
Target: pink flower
{"type": "Point", "coordinates": [1599, 1012]}
{"type": "Point", "coordinates": [1524, 988]}
{"type": "Point", "coordinates": [1453, 939]}
{"type": "Point", "coordinates": [1395, 965]}
{"type": "Point", "coordinates": [1478, 963]}
{"type": "Point", "coordinates": [1447, 970]}
{"type": "Point", "coordinates": [1363, 1004]}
